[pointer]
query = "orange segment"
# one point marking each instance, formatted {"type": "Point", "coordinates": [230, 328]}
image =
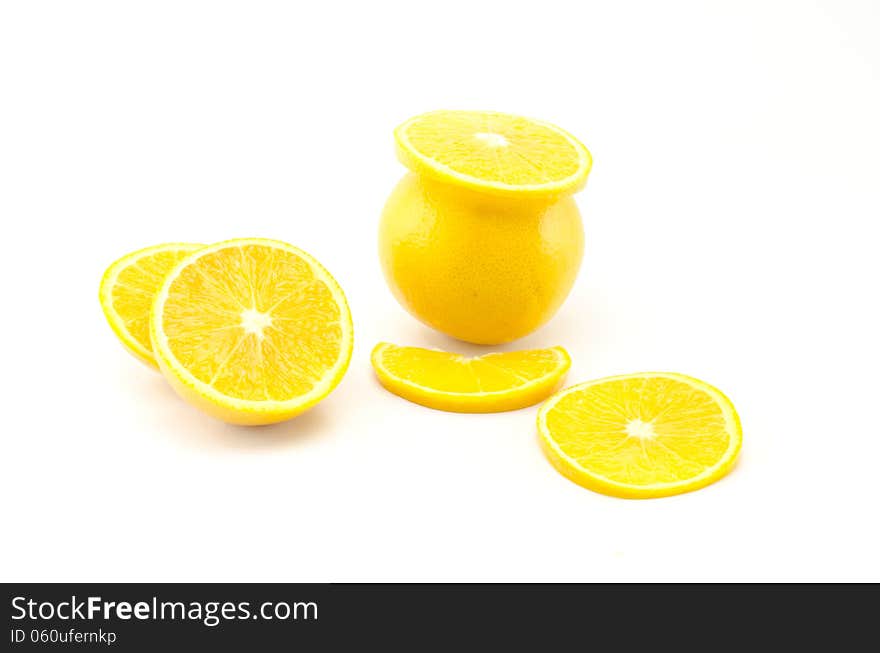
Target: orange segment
{"type": "Point", "coordinates": [483, 384]}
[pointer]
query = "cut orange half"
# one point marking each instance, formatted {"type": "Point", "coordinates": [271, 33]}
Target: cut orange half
{"type": "Point", "coordinates": [641, 435]}
{"type": "Point", "coordinates": [496, 153]}
{"type": "Point", "coordinates": [127, 291]}
{"type": "Point", "coordinates": [483, 384]}
{"type": "Point", "coordinates": [252, 331]}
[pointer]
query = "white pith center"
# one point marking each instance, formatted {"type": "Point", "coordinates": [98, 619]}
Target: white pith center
{"type": "Point", "coordinates": [253, 321]}
{"type": "Point", "coordinates": [636, 428]}
{"type": "Point", "coordinates": [491, 139]}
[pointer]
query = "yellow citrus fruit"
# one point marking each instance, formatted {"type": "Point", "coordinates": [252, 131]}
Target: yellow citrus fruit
{"type": "Point", "coordinates": [484, 384]}
{"type": "Point", "coordinates": [127, 291]}
{"type": "Point", "coordinates": [483, 240]}
{"type": "Point", "coordinates": [252, 331]}
{"type": "Point", "coordinates": [493, 152]}
{"type": "Point", "coordinates": [641, 435]}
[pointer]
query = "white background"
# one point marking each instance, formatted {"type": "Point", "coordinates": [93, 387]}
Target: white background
{"type": "Point", "coordinates": [731, 220]}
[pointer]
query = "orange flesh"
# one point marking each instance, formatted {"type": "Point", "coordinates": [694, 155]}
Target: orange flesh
{"type": "Point", "coordinates": [254, 322]}
{"type": "Point", "coordinates": [689, 430]}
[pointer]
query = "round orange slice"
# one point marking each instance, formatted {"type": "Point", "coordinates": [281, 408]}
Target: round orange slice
{"type": "Point", "coordinates": [127, 291]}
{"type": "Point", "coordinates": [641, 435]}
{"type": "Point", "coordinates": [252, 331]}
{"type": "Point", "coordinates": [495, 153]}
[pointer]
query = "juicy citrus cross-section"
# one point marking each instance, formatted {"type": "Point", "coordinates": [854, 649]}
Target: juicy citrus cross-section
{"type": "Point", "coordinates": [483, 384]}
{"type": "Point", "coordinates": [127, 291]}
{"type": "Point", "coordinates": [641, 435]}
{"type": "Point", "coordinates": [252, 331]}
{"type": "Point", "coordinates": [496, 153]}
